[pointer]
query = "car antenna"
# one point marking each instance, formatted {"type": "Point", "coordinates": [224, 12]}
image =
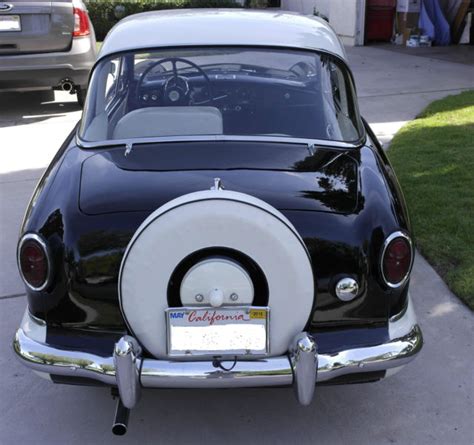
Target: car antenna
{"type": "Point", "coordinates": [128, 148]}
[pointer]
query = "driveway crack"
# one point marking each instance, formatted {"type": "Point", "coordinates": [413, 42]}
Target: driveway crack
{"type": "Point", "coordinates": [6, 297]}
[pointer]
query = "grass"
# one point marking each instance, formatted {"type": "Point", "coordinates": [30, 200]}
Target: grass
{"type": "Point", "coordinates": [433, 157]}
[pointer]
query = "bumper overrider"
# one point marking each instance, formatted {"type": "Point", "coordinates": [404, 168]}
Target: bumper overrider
{"type": "Point", "coordinates": [303, 367]}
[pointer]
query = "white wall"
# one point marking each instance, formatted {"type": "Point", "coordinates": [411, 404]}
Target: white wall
{"type": "Point", "coordinates": [347, 17]}
{"type": "Point", "coordinates": [306, 6]}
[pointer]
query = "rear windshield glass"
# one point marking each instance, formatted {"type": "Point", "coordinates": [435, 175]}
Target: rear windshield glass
{"type": "Point", "coordinates": [220, 91]}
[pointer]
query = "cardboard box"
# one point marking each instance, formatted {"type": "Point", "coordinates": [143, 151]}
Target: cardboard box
{"type": "Point", "coordinates": [406, 20]}
{"type": "Point", "coordinates": [406, 25]}
{"type": "Point", "coordinates": [406, 35]}
{"type": "Point", "coordinates": [408, 6]}
{"type": "Point", "coordinates": [402, 38]}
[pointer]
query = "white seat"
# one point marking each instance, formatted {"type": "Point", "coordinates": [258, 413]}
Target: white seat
{"type": "Point", "coordinates": [169, 121]}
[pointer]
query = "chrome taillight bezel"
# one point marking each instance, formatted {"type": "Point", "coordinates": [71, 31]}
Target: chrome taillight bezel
{"type": "Point", "coordinates": [37, 238]}
{"type": "Point", "coordinates": [388, 240]}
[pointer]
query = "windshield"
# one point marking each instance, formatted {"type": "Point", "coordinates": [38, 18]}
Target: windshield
{"type": "Point", "coordinates": [220, 91]}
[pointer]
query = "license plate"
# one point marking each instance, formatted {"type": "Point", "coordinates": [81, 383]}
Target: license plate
{"type": "Point", "coordinates": [10, 23]}
{"type": "Point", "coordinates": [228, 331]}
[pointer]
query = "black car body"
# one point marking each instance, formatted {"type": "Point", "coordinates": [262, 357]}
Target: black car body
{"type": "Point", "coordinates": [339, 197]}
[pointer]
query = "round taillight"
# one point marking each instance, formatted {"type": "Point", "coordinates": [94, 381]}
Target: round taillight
{"type": "Point", "coordinates": [33, 262]}
{"type": "Point", "coordinates": [397, 259]}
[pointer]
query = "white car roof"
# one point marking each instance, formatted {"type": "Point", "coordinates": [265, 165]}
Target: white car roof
{"type": "Point", "coordinates": [240, 27]}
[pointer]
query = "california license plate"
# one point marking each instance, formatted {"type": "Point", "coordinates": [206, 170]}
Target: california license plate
{"type": "Point", "coordinates": [210, 331]}
{"type": "Point", "coordinates": [10, 23]}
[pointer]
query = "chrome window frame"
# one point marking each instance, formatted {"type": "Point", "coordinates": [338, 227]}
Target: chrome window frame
{"type": "Point", "coordinates": [215, 138]}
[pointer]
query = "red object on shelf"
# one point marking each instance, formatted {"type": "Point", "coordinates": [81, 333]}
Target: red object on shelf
{"type": "Point", "coordinates": [379, 20]}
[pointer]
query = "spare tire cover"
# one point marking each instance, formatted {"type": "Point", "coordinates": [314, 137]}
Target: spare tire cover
{"type": "Point", "coordinates": [215, 218]}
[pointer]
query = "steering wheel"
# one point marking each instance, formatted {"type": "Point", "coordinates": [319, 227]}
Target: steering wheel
{"type": "Point", "coordinates": [176, 90]}
{"type": "Point", "coordinates": [303, 69]}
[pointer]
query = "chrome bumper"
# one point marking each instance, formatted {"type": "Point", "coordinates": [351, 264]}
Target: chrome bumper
{"type": "Point", "coordinates": [302, 367]}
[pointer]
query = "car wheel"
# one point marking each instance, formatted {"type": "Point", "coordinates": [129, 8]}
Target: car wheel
{"type": "Point", "coordinates": [81, 96]}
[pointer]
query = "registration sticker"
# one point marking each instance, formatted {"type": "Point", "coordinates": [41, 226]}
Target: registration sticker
{"type": "Point", "coordinates": [258, 313]}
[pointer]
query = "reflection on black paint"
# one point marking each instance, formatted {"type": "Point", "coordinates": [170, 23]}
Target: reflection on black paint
{"type": "Point", "coordinates": [338, 200]}
{"type": "Point", "coordinates": [336, 184]}
{"type": "Point", "coordinates": [100, 256]}
{"type": "Point", "coordinates": [54, 225]}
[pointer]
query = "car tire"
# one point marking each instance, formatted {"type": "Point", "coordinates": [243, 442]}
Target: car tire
{"type": "Point", "coordinates": [81, 96]}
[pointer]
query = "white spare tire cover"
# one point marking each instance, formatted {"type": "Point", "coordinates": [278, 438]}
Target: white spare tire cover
{"type": "Point", "coordinates": [215, 218]}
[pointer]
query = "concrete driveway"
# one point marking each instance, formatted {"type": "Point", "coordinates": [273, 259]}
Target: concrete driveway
{"type": "Point", "coordinates": [429, 402]}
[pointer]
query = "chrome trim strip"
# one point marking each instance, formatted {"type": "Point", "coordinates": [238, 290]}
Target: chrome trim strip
{"type": "Point", "coordinates": [390, 238]}
{"type": "Point", "coordinates": [272, 371]}
{"type": "Point", "coordinates": [396, 317]}
{"type": "Point", "coordinates": [214, 138]}
{"type": "Point", "coordinates": [42, 243]}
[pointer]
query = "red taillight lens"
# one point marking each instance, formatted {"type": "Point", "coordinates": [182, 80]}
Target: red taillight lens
{"type": "Point", "coordinates": [33, 263]}
{"type": "Point", "coordinates": [81, 23]}
{"type": "Point", "coordinates": [397, 260]}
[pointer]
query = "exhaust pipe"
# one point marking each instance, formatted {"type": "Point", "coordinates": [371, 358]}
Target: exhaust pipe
{"type": "Point", "coordinates": [120, 425]}
{"type": "Point", "coordinates": [67, 85]}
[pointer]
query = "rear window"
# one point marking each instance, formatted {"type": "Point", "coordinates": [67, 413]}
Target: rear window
{"type": "Point", "coordinates": [221, 91]}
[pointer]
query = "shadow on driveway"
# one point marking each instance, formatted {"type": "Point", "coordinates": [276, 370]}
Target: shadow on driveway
{"type": "Point", "coordinates": [16, 189]}
{"type": "Point", "coordinates": [33, 107]}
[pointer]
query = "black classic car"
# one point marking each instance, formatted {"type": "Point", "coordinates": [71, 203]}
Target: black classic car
{"type": "Point", "coordinates": [221, 217]}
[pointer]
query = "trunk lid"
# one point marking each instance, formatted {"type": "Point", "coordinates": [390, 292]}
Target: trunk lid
{"type": "Point", "coordinates": [286, 176]}
{"type": "Point", "coordinates": [45, 26]}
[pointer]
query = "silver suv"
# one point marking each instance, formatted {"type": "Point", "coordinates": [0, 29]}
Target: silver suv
{"type": "Point", "coordinates": [46, 45]}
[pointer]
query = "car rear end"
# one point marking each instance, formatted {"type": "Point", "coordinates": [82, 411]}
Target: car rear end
{"type": "Point", "coordinates": [247, 250]}
{"type": "Point", "coordinates": [44, 45]}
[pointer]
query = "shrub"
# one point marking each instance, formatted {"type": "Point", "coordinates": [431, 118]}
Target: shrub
{"type": "Point", "coordinates": [105, 14]}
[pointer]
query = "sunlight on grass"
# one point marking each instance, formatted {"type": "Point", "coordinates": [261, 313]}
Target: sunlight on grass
{"type": "Point", "coordinates": [433, 157]}
{"type": "Point", "coordinates": [440, 171]}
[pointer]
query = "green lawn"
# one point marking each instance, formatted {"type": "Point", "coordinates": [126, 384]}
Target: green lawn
{"type": "Point", "coordinates": [434, 160]}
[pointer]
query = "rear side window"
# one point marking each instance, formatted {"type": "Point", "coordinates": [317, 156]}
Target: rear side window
{"type": "Point", "coordinates": [338, 97]}
{"type": "Point", "coordinates": [115, 81]}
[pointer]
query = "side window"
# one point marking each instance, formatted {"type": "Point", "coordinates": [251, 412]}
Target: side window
{"type": "Point", "coordinates": [338, 90]}
{"type": "Point", "coordinates": [340, 112]}
{"type": "Point", "coordinates": [113, 82]}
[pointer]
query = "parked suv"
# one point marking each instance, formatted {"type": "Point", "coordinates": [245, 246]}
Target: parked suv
{"type": "Point", "coordinates": [46, 45]}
